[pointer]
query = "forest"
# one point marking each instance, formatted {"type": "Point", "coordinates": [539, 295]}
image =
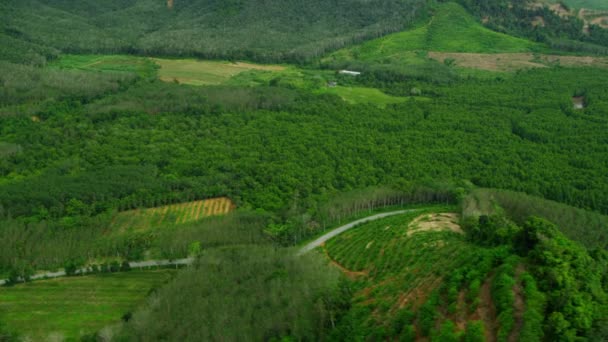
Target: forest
{"type": "Point", "coordinates": [99, 128]}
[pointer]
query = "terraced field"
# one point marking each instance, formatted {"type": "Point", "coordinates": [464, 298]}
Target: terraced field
{"type": "Point", "coordinates": [67, 308]}
{"type": "Point", "coordinates": [143, 219]}
{"type": "Point", "coordinates": [400, 263]}
{"type": "Point", "coordinates": [390, 256]}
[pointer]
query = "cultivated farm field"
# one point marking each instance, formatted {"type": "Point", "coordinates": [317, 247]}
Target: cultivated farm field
{"type": "Point", "coordinates": [67, 308]}
{"type": "Point", "coordinates": [401, 264]}
{"type": "Point", "coordinates": [197, 72]}
{"type": "Point", "coordinates": [143, 219]}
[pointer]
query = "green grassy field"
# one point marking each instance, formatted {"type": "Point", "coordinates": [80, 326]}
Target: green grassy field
{"type": "Point", "coordinates": [196, 72]}
{"type": "Point", "coordinates": [109, 63]}
{"type": "Point", "coordinates": [451, 29]}
{"type": "Point", "coordinates": [71, 307]}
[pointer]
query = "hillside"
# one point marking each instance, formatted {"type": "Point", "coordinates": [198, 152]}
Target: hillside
{"type": "Point", "coordinates": [451, 29]}
{"type": "Point", "coordinates": [225, 135]}
{"type": "Point", "coordinates": [423, 276]}
{"type": "Point", "coordinates": [258, 30]}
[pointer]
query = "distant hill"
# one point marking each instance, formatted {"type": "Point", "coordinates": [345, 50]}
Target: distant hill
{"type": "Point", "coordinates": [258, 30]}
{"type": "Point", "coordinates": [451, 29]}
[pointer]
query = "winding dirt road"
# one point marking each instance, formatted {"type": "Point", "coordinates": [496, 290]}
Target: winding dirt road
{"type": "Point", "coordinates": [135, 264]}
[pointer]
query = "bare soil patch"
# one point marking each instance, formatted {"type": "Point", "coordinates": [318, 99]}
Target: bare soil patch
{"type": "Point", "coordinates": [560, 10]}
{"type": "Point", "coordinates": [435, 223]}
{"type": "Point", "coordinates": [486, 311]}
{"type": "Point", "coordinates": [601, 21]}
{"type": "Point", "coordinates": [519, 305]}
{"type": "Point", "coordinates": [507, 62]}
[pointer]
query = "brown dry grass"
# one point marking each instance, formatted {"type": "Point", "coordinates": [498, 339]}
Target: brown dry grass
{"type": "Point", "coordinates": [508, 62]}
{"type": "Point", "coordinates": [601, 21]}
{"type": "Point", "coordinates": [435, 223]}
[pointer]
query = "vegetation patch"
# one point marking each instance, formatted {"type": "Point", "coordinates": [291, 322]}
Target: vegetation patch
{"type": "Point", "coordinates": [451, 29]}
{"type": "Point", "coordinates": [507, 62]}
{"type": "Point", "coordinates": [362, 95]}
{"type": "Point", "coordinates": [196, 72]}
{"type": "Point", "coordinates": [107, 63]}
{"type": "Point", "coordinates": [75, 306]}
{"type": "Point", "coordinates": [434, 223]}
{"type": "Point", "coordinates": [143, 219]}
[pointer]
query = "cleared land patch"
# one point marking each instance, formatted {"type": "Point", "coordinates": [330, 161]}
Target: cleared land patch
{"type": "Point", "coordinates": [196, 72]}
{"type": "Point", "coordinates": [143, 219]}
{"type": "Point", "coordinates": [71, 307]}
{"type": "Point", "coordinates": [507, 62]}
{"type": "Point", "coordinates": [435, 222]}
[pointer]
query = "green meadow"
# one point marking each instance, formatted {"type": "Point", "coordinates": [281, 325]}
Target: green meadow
{"type": "Point", "coordinates": [75, 306]}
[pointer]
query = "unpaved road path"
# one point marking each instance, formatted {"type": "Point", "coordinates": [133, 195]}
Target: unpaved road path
{"type": "Point", "coordinates": [307, 248]}
{"type": "Point", "coordinates": [318, 242]}
{"type": "Point", "coordinates": [135, 264]}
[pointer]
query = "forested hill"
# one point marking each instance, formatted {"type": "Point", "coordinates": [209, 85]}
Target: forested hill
{"type": "Point", "coordinates": [262, 30]}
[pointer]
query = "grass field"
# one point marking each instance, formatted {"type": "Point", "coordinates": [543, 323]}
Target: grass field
{"type": "Point", "coordinates": [71, 307]}
{"type": "Point", "coordinates": [143, 219]}
{"type": "Point", "coordinates": [451, 29]}
{"type": "Point", "coordinates": [108, 63]}
{"type": "Point", "coordinates": [195, 72]}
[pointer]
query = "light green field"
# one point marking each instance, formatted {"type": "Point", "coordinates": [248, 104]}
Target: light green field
{"type": "Point", "coordinates": [359, 95]}
{"type": "Point", "coordinates": [112, 63]}
{"type": "Point", "coordinates": [451, 29]}
{"type": "Point", "coordinates": [74, 306]}
{"type": "Point", "coordinates": [196, 72]}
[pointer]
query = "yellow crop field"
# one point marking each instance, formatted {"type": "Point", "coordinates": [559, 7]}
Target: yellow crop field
{"type": "Point", "coordinates": [195, 72]}
{"type": "Point", "coordinates": [143, 219]}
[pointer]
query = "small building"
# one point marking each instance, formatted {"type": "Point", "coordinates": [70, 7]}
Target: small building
{"type": "Point", "coordinates": [332, 84]}
{"type": "Point", "coordinates": [350, 73]}
{"type": "Point", "coordinates": [579, 102]}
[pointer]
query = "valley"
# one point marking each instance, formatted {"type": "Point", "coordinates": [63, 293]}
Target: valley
{"type": "Point", "coordinates": [287, 171]}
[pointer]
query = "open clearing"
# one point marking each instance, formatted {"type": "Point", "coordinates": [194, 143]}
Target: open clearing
{"type": "Point", "coordinates": [71, 307]}
{"type": "Point", "coordinates": [507, 62]}
{"type": "Point", "coordinates": [196, 72]}
{"type": "Point", "coordinates": [106, 63]}
{"type": "Point", "coordinates": [143, 219]}
{"type": "Point", "coordinates": [435, 223]}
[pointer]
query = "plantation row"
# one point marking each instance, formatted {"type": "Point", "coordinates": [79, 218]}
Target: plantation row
{"type": "Point", "coordinates": [143, 219]}
{"type": "Point", "coordinates": [444, 285]}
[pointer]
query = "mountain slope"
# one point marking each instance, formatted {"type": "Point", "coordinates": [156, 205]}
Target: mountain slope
{"type": "Point", "coordinates": [263, 30]}
{"type": "Point", "coordinates": [451, 29]}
